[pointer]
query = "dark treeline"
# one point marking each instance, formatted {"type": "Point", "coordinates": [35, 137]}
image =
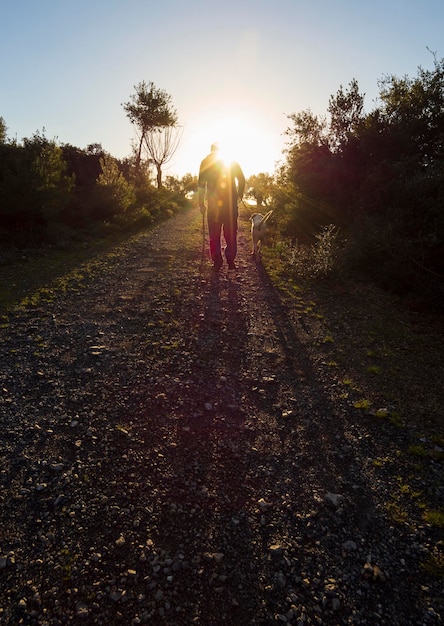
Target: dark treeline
{"type": "Point", "coordinates": [55, 194]}
{"type": "Point", "coordinates": [375, 181]}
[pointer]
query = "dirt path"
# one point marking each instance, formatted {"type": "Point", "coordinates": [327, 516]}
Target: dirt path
{"type": "Point", "coordinates": [173, 453]}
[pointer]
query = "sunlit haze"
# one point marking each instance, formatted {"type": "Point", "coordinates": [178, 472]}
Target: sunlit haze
{"type": "Point", "coordinates": [241, 136]}
{"type": "Point", "coordinates": [235, 71]}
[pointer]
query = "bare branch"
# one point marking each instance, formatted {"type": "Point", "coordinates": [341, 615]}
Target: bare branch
{"type": "Point", "coordinates": [161, 144]}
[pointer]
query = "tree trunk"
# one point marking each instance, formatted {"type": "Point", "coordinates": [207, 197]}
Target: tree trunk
{"type": "Point", "coordinates": [159, 175]}
{"type": "Point", "coordinates": [139, 154]}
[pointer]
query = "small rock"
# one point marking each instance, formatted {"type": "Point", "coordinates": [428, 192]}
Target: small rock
{"type": "Point", "coordinates": [60, 498]}
{"type": "Point", "coordinates": [81, 610]}
{"type": "Point", "coordinates": [349, 546]}
{"type": "Point", "coordinates": [276, 549]}
{"type": "Point", "coordinates": [373, 573]}
{"type": "Point", "coordinates": [263, 505]}
{"type": "Point", "coordinates": [115, 596]}
{"type": "Point", "coordinates": [378, 574]}
{"type": "Point", "coordinates": [335, 499]}
{"type": "Point", "coordinates": [57, 467]}
{"type": "Point", "coordinates": [159, 595]}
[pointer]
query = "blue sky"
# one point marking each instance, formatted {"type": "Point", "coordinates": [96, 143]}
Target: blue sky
{"type": "Point", "coordinates": [67, 67]}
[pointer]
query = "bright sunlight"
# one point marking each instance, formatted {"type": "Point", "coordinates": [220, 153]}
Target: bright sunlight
{"type": "Point", "coordinates": [241, 138]}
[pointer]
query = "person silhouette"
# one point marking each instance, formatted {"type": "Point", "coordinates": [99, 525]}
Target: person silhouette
{"type": "Point", "coordinates": [222, 185]}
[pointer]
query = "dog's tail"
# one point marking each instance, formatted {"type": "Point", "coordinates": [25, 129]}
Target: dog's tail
{"type": "Point", "coordinates": [265, 218]}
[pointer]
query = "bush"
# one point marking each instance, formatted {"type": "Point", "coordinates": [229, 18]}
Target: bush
{"type": "Point", "coordinates": [314, 261]}
{"type": "Point", "coordinates": [381, 250]}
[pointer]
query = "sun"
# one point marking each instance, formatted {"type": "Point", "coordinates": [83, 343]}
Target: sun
{"type": "Point", "coordinates": [234, 137]}
{"type": "Point", "coordinates": [241, 138]}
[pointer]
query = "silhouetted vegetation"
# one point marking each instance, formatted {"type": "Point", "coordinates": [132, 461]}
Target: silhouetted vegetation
{"type": "Point", "coordinates": [377, 177]}
{"type": "Point", "coordinates": [52, 194]}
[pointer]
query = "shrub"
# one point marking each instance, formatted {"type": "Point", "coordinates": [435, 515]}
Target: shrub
{"type": "Point", "coordinates": [318, 260]}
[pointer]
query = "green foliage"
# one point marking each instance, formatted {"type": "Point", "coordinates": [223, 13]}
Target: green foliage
{"type": "Point", "coordinates": [260, 187]}
{"type": "Point", "coordinates": [150, 108]}
{"type": "Point", "coordinates": [434, 518]}
{"type": "Point", "coordinates": [35, 188]}
{"type": "Point", "coordinates": [187, 185]}
{"type": "Point", "coordinates": [346, 116]}
{"type": "Point", "coordinates": [58, 195]}
{"type": "Point", "coordinates": [325, 251]}
{"type": "Point", "coordinates": [115, 194]}
{"type": "Point", "coordinates": [52, 184]}
{"type": "Point", "coordinates": [84, 165]}
{"type": "Point", "coordinates": [379, 176]}
{"type": "Point", "coordinates": [317, 260]}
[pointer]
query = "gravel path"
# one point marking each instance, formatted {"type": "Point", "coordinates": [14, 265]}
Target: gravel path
{"type": "Point", "coordinates": [172, 453]}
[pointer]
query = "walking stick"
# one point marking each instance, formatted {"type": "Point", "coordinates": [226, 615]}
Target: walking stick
{"type": "Point", "coordinates": [203, 238]}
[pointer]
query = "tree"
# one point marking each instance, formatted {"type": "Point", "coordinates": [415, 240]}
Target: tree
{"type": "Point", "coordinates": [307, 128]}
{"type": "Point", "coordinates": [150, 110]}
{"type": "Point", "coordinates": [189, 184]}
{"type": "Point", "coordinates": [378, 176]}
{"type": "Point", "coordinates": [413, 108]}
{"type": "Point", "coordinates": [52, 184]}
{"type": "Point", "coordinates": [116, 194]}
{"type": "Point", "coordinates": [325, 159]}
{"type": "Point", "coordinates": [95, 149]}
{"type": "Point", "coordinates": [161, 144]}
{"type": "Point", "coordinates": [84, 164]}
{"type": "Point", "coordinates": [35, 188]}
{"type": "Point", "coordinates": [346, 113]}
{"type": "Point", "coordinates": [3, 129]}
{"type": "Point", "coordinates": [261, 187]}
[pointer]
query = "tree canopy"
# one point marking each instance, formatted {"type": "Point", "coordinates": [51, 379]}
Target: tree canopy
{"type": "Point", "coordinates": [151, 111]}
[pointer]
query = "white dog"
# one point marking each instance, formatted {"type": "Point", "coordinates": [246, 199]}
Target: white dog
{"type": "Point", "coordinates": [258, 231]}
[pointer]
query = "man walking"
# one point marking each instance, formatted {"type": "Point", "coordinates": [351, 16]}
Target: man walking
{"type": "Point", "coordinates": [223, 185]}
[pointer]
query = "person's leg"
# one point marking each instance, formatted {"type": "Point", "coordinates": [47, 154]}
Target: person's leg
{"type": "Point", "coordinates": [214, 231]}
{"type": "Point", "coordinates": [230, 236]}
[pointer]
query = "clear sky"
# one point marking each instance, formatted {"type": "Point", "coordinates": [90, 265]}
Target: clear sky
{"type": "Point", "coordinates": [235, 69]}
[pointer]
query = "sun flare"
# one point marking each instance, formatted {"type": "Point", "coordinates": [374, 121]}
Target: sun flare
{"type": "Point", "coordinates": [234, 138]}
{"type": "Point", "coordinates": [241, 138]}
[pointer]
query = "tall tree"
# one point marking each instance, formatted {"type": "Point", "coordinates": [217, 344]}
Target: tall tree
{"type": "Point", "coordinates": [151, 111]}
